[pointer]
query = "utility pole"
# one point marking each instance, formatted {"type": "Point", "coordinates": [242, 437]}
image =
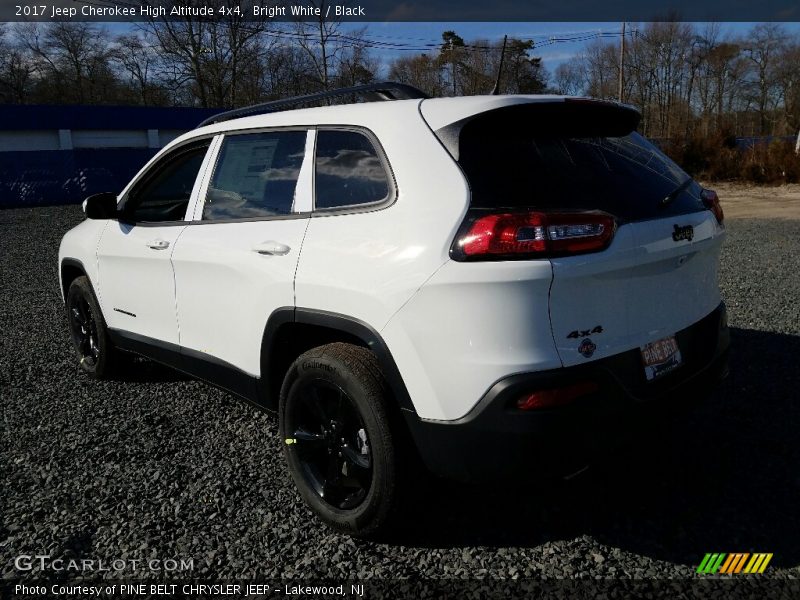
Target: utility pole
{"type": "Point", "coordinates": [453, 62]}
{"type": "Point", "coordinates": [496, 89]}
{"type": "Point", "coordinates": [621, 65]}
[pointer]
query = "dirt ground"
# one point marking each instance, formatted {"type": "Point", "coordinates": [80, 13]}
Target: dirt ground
{"type": "Point", "coordinates": [743, 201]}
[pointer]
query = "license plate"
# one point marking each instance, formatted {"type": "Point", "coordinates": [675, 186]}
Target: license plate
{"type": "Point", "coordinates": [660, 357]}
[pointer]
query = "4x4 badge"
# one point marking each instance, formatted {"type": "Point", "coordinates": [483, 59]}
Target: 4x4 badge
{"type": "Point", "coordinates": [578, 333]}
{"type": "Point", "coordinates": [683, 233]}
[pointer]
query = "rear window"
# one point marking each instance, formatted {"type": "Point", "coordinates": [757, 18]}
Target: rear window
{"type": "Point", "coordinates": [528, 159]}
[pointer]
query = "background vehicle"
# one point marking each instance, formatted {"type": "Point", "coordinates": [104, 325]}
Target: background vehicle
{"type": "Point", "coordinates": [494, 282]}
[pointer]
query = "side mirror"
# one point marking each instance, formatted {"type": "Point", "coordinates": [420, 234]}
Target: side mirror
{"type": "Point", "coordinates": [101, 206]}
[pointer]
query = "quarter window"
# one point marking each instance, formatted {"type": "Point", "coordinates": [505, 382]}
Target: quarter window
{"type": "Point", "coordinates": [256, 176]}
{"type": "Point", "coordinates": [348, 171]}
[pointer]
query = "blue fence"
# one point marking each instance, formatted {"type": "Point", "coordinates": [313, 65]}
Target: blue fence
{"type": "Point", "coordinates": [39, 177]}
{"type": "Point", "coordinates": [46, 177]}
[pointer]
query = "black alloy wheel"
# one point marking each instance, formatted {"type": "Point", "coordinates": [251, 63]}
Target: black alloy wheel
{"type": "Point", "coordinates": [339, 443]}
{"type": "Point", "coordinates": [96, 354]}
{"type": "Point", "coordinates": [84, 330]}
{"type": "Point", "coordinates": [331, 442]}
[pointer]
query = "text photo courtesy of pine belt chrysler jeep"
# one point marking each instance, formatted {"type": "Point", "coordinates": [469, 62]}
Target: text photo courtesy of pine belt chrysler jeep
{"type": "Point", "coordinates": [489, 283]}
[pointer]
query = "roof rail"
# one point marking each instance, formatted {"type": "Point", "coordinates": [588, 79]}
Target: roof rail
{"type": "Point", "coordinates": [385, 90]}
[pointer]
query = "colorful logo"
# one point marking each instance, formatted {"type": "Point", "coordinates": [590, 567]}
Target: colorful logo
{"type": "Point", "coordinates": [587, 348]}
{"type": "Point", "coordinates": [738, 562]}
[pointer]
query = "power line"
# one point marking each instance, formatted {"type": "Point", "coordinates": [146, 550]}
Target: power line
{"type": "Point", "coordinates": [411, 44]}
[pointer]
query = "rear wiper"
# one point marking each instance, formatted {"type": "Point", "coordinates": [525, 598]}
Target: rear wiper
{"type": "Point", "coordinates": [669, 198]}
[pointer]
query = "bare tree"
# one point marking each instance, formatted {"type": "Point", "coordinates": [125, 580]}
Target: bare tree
{"type": "Point", "coordinates": [475, 68]}
{"type": "Point", "coordinates": [287, 70]}
{"type": "Point", "coordinates": [677, 74]}
{"type": "Point", "coordinates": [16, 70]}
{"type": "Point", "coordinates": [422, 71]}
{"type": "Point", "coordinates": [765, 45]}
{"type": "Point", "coordinates": [601, 66]}
{"type": "Point", "coordinates": [71, 58]}
{"type": "Point", "coordinates": [355, 64]}
{"type": "Point", "coordinates": [322, 41]}
{"type": "Point", "coordinates": [570, 77]}
{"type": "Point", "coordinates": [206, 54]}
{"type": "Point", "coordinates": [138, 61]}
{"type": "Point", "coordinates": [787, 76]}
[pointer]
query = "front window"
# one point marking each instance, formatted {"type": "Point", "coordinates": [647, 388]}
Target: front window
{"type": "Point", "coordinates": [165, 191]}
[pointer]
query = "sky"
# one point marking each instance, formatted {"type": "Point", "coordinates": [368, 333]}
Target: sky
{"type": "Point", "coordinates": [552, 54]}
{"type": "Point", "coordinates": [578, 35]}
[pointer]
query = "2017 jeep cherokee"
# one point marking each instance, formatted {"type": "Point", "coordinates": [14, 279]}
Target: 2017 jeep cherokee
{"type": "Point", "coordinates": [495, 281]}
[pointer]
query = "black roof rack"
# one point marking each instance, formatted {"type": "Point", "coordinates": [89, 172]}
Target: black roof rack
{"type": "Point", "coordinates": [385, 90]}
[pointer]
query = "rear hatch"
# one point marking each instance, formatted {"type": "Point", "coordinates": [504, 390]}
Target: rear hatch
{"type": "Point", "coordinates": [654, 275]}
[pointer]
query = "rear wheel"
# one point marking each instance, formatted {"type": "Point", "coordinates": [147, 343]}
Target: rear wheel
{"type": "Point", "coordinates": [88, 330]}
{"type": "Point", "coordinates": [337, 438]}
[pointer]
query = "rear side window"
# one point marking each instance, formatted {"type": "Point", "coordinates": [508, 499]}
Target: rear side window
{"type": "Point", "coordinates": [256, 176]}
{"type": "Point", "coordinates": [529, 164]}
{"type": "Point", "coordinates": [164, 193]}
{"type": "Point", "coordinates": [348, 171]}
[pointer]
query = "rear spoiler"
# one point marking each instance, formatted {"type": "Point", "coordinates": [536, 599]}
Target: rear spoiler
{"type": "Point", "coordinates": [572, 117]}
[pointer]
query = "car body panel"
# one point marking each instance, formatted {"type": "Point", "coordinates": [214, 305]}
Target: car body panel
{"type": "Point", "coordinates": [470, 325]}
{"type": "Point", "coordinates": [137, 283]}
{"type": "Point", "coordinates": [644, 287]}
{"type": "Point", "coordinates": [368, 263]}
{"type": "Point", "coordinates": [80, 244]}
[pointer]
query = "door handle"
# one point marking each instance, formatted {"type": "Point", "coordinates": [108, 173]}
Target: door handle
{"type": "Point", "coordinates": [158, 244]}
{"type": "Point", "coordinates": [272, 248]}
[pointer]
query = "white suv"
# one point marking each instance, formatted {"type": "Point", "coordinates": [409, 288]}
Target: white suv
{"type": "Point", "coordinates": [494, 284]}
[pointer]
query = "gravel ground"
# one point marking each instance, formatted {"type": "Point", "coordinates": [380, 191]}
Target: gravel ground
{"type": "Point", "coordinates": [160, 466]}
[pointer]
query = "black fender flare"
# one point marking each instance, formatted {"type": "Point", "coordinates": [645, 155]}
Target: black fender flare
{"type": "Point", "coordinates": [77, 264]}
{"type": "Point", "coordinates": [351, 326]}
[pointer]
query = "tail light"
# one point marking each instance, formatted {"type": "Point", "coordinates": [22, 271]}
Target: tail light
{"type": "Point", "coordinates": [521, 235]}
{"type": "Point", "coordinates": [556, 397]}
{"type": "Point", "coordinates": [711, 201]}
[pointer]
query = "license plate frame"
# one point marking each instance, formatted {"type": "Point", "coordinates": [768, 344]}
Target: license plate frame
{"type": "Point", "coordinates": [661, 357]}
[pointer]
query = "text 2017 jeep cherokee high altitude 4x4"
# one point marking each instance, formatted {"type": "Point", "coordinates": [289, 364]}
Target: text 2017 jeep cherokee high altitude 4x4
{"type": "Point", "coordinates": [494, 281]}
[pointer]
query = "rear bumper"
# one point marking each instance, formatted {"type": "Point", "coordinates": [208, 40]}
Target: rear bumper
{"type": "Point", "coordinates": [496, 440]}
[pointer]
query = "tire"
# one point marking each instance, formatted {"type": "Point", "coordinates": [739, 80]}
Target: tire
{"type": "Point", "coordinates": [96, 354]}
{"type": "Point", "coordinates": [337, 437]}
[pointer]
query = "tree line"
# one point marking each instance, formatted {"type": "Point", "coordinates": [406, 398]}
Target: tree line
{"type": "Point", "coordinates": [231, 62]}
{"type": "Point", "coordinates": [698, 88]}
{"type": "Point", "coordinates": [701, 91]}
{"type": "Point", "coordinates": [685, 78]}
{"type": "Point", "coordinates": [692, 79]}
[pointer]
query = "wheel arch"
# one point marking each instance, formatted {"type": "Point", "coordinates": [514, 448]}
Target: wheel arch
{"type": "Point", "coordinates": [291, 331]}
{"type": "Point", "coordinates": [69, 270]}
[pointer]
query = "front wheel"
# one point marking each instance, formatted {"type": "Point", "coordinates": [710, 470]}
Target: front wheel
{"type": "Point", "coordinates": [88, 330]}
{"type": "Point", "coordinates": [337, 438]}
